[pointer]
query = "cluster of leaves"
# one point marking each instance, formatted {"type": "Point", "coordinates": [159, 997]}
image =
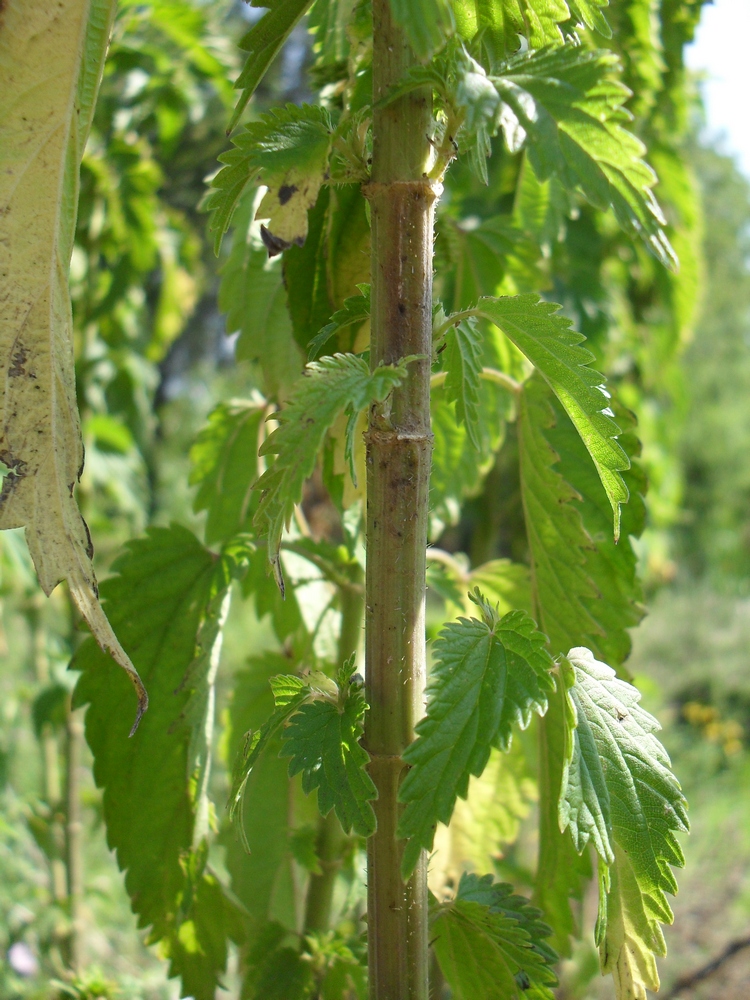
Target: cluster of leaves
{"type": "Point", "coordinates": [548, 162]}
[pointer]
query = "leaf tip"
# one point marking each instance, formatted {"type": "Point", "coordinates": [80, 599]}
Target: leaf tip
{"type": "Point", "coordinates": [142, 694]}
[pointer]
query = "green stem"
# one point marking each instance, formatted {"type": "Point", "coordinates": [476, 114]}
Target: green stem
{"type": "Point", "coordinates": [399, 443]}
{"type": "Point", "coordinates": [331, 840]}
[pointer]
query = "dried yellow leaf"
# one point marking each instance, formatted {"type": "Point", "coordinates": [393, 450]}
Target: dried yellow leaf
{"type": "Point", "coordinates": [51, 57]}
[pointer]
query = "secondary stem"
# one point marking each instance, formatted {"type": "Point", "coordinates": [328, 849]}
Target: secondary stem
{"type": "Point", "coordinates": [74, 842]}
{"type": "Point", "coordinates": [399, 445]}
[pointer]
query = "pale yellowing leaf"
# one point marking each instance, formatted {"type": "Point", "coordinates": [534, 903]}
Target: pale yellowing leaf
{"type": "Point", "coordinates": [285, 205]}
{"type": "Point", "coordinates": [51, 58]}
{"type": "Point", "coordinates": [633, 936]}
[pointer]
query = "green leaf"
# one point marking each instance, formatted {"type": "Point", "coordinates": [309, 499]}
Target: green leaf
{"type": "Point", "coordinates": [277, 970]}
{"type": "Point", "coordinates": [611, 566]}
{"type": "Point", "coordinates": [355, 311]}
{"type": "Point", "coordinates": [490, 944]}
{"type": "Point", "coordinates": [585, 591]}
{"type": "Point", "coordinates": [302, 844]}
{"type": "Point", "coordinates": [542, 207]}
{"type": "Point", "coordinates": [483, 258]}
{"type": "Point", "coordinates": [305, 275]}
{"type": "Point", "coordinates": [287, 150]}
{"type": "Point", "coordinates": [505, 584]}
{"type": "Point", "coordinates": [198, 952]}
{"type": "Point", "coordinates": [263, 42]}
{"type": "Point", "coordinates": [252, 295]}
{"type": "Point", "coordinates": [427, 24]}
{"type": "Point", "coordinates": [166, 593]}
{"type": "Point", "coordinates": [328, 387]}
{"type": "Point", "coordinates": [567, 104]}
{"type": "Point", "coordinates": [463, 365]}
{"type": "Point", "coordinates": [263, 878]}
{"type": "Point", "coordinates": [458, 469]}
{"type": "Point", "coordinates": [584, 792]}
{"type": "Point", "coordinates": [322, 738]}
{"type": "Point", "coordinates": [341, 965]}
{"type": "Point", "coordinates": [499, 897]}
{"type": "Point", "coordinates": [630, 807]}
{"type": "Point", "coordinates": [553, 348]}
{"type": "Point", "coordinates": [224, 462]}
{"type": "Point", "coordinates": [562, 875]}
{"type": "Point", "coordinates": [329, 21]}
{"type": "Point", "coordinates": [586, 586]}
{"type": "Point", "coordinates": [289, 694]}
{"type": "Point", "coordinates": [588, 13]}
{"type": "Point", "coordinates": [487, 676]}
{"type": "Point", "coordinates": [502, 21]}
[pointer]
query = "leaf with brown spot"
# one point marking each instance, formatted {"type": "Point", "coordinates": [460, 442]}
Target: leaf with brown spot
{"type": "Point", "coordinates": [286, 205]}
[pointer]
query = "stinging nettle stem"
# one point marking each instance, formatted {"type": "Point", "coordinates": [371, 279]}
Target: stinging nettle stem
{"type": "Point", "coordinates": [399, 445]}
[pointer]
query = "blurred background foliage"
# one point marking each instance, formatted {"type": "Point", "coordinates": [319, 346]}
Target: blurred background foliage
{"type": "Point", "coordinates": [154, 356]}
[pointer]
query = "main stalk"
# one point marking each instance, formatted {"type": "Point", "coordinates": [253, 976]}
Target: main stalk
{"type": "Point", "coordinates": [399, 443]}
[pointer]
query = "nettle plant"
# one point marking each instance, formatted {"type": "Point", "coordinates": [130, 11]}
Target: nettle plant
{"type": "Point", "coordinates": [324, 489]}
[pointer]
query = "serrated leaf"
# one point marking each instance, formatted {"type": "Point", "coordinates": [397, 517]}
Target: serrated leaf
{"type": "Point", "coordinates": [588, 13]}
{"type": "Point", "coordinates": [329, 21]}
{"type": "Point", "coordinates": [487, 676]}
{"type": "Point", "coordinates": [426, 23]}
{"type": "Point", "coordinates": [499, 897]}
{"type": "Point", "coordinates": [502, 21]}
{"type": "Point", "coordinates": [287, 149]}
{"type": "Point", "coordinates": [562, 875]}
{"type": "Point", "coordinates": [488, 950]}
{"type": "Point", "coordinates": [586, 586]}
{"type": "Point", "coordinates": [611, 567]}
{"type": "Point", "coordinates": [263, 42]}
{"type": "Point", "coordinates": [542, 207]}
{"type": "Point", "coordinates": [632, 825]}
{"type": "Point", "coordinates": [584, 796]}
{"type": "Point", "coordinates": [633, 937]}
{"type": "Point", "coordinates": [355, 311]}
{"type": "Point", "coordinates": [50, 66]}
{"type": "Point", "coordinates": [567, 104]}
{"type": "Point", "coordinates": [463, 366]}
{"type": "Point", "coordinates": [322, 739]}
{"type": "Point", "coordinates": [547, 340]}
{"type": "Point", "coordinates": [342, 383]}
{"type": "Point", "coordinates": [302, 844]}
{"type": "Point", "coordinates": [585, 591]}
{"type": "Point", "coordinates": [224, 462]}
{"type": "Point", "coordinates": [166, 589]}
